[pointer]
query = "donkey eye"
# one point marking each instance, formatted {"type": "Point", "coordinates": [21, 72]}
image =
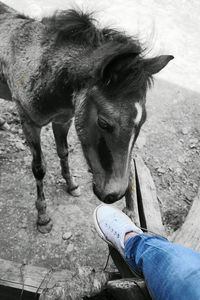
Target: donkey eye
{"type": "Point", "coordinates": [103, 124]}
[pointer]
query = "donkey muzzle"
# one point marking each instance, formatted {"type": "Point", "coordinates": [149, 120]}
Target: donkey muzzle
{"type": "Point", "coordinates": [108, 199]}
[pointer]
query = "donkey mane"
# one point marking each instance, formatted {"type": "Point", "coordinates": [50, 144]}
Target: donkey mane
{"type": "Point", "coordinates": [73, 26]}
{"type": "Point", "coordinates": [78, 27]}
{"type": "Point", "coordinates": [117, 57]}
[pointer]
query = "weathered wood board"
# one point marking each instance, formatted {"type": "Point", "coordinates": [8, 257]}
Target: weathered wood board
{"type": "Point", "coordinates": [129, 289]}
{"type": "Point", "coordinates": [189, 234]}
{"type": "Point", "coordinates": [148, 206]}
{"type": "Point", "coordinates": [131, 195]}
{"type": "Point", "coordinates": [51, 284]}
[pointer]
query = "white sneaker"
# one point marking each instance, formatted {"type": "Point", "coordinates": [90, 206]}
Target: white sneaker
{"type": "Point", "coordinates": [112, 225]}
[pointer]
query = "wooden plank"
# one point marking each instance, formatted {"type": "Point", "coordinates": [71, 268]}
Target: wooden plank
{"type": "Point", "coordinates": [148, 206]}
{"type": "Point", "coordinates": [11, 276]}
{"type": "Point", "coordinates": [129, 289]}
{"type": "Point", "coordinates": [120, 263]}
{"type": "Point", "coordinates": [8, 293]}
{"type": "Point", "coordinates": [131, 197]}
{"type": "Point", "coordinates": [52, 285]}
{"type": "Point", "coordinates": [189, 234]}
{"type": "Point", "coordinates": [5, 91]}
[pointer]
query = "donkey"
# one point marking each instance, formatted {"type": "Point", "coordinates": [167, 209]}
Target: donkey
{"type": "Point", "coordinates": [65, 66]}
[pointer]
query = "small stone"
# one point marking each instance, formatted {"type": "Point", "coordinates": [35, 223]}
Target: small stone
{"type": "Point", "coordinates": [193, 143]}
{"type": "Point", "coordinates": [67, 235]}
{"type": "Point", "coordinates": [70, 248]}
{"type": "Point", "coordinates": [24, 225]}
{"type": "Point", "coordinates": [161, 170]}
{"type": "Point", "coordinates": [20, 131]}
{"type": "Point", "coordinates": [14, 130]}
{"type": "Point", "coordinates": [20, 146]}
{"type": "Point", "coordinates": [4, 125]}
{"type": "Point", "coordinates": [195, 186]}
{"type": "Point", "coordinates": [185, 130]}
{"type": "Point", "coordinates": [181, 159]}
{"type": "Point", "coordinates": [2, 121]}
{"type": "Point", "coordinates": [56, 255]}
{"type": "Point", "coordinates": [178, 171]}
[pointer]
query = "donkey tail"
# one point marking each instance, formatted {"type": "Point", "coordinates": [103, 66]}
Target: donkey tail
{"type": "Point", "coordinates": [73, 25]}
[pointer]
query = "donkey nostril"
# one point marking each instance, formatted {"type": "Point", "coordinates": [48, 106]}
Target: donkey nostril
{"type": "Point", "coordinates": [111, 198]}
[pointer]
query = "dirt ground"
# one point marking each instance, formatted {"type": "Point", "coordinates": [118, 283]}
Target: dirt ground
{"type": "Point", "coordinates": [169, 143]}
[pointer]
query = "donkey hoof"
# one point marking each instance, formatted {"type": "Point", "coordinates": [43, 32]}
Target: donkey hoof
{"type": "Point", "coordinates": [44, 225]}
{"type": "Point", "coordinates": [45, 228]}
{"type": "Point", "coordinates": [75, 191]}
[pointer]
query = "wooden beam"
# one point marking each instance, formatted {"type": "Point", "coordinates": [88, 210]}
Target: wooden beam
{"type": "Point", "coordinates": [120, 263]}
{"type": "Point", "coordinates": [16, 275]}
{"type": "Point", "coordinates": [131, 196]}
{"type": "Point", "coordinates": [84, 281]}
{"type": "Point", "coordinates": [189, 234]}
{"type": "Point", "coordinates": [129, 289]}
{"type": "Point", "coordinates": [5, 91]}
{"type": "Point", "coordinates": [148, 206]}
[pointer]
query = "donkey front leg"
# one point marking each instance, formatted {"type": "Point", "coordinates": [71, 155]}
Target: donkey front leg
{"type": "Point", "coordinates": [32, 134]}
{"type": "Point", "coordinates": [60, 133]}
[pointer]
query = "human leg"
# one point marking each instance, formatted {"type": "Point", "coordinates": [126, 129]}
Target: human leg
{"type": "Point", "coordinates": [170, 271]}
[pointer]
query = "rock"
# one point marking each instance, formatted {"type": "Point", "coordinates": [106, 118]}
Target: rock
{"type": "Point", "coordinates": [185, 130]}
{"type": "Point", "coordinates": [2, 121]}
{"type": "Point", "coordinates": [20, 146]}
{"type": "Point", "coordinates": [4, 125]}
{"type": "Point", "coordinates": [161, 170]}
{"type": "Point", "coordinates": [193, 143]}
{"type": "Point", "coordinates": [14, 130]}
{"type": "Point", "coordinates": [24, 225]}
{"type": "Point", "coordinates": [178, 171]}
{"type": "Point", "coordinates": [20, 131]}
{"type": "Point", "coordinates": [67, 235]}
{"type": "Point", "coordinates": [70, 248]}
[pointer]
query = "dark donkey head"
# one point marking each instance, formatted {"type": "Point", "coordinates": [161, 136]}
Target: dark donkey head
{"type": "Point", "coordinates": [111, 110]}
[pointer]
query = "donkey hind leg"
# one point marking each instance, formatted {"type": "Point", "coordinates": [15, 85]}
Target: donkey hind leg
{"type": "Point", "coordinates": [60, 131]}
{"type": "Point", "coordinates": [32, 134]}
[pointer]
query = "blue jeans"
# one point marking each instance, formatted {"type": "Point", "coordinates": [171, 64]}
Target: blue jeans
{"type": "Point", "coordinates": [171, 272]}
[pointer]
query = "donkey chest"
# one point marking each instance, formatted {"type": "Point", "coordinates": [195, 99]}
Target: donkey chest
{"type": "Point", "coordinates": [52, 109]}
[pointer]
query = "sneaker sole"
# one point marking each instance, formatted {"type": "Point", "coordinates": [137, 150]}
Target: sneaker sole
{"type": "Point", "coordinates": [100, 232]}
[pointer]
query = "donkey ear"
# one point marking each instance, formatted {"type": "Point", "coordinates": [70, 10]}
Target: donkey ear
{"type": "Point", "coordinates": [154, 65]}
{"type": "Point", "coordinates": [115, 68]}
